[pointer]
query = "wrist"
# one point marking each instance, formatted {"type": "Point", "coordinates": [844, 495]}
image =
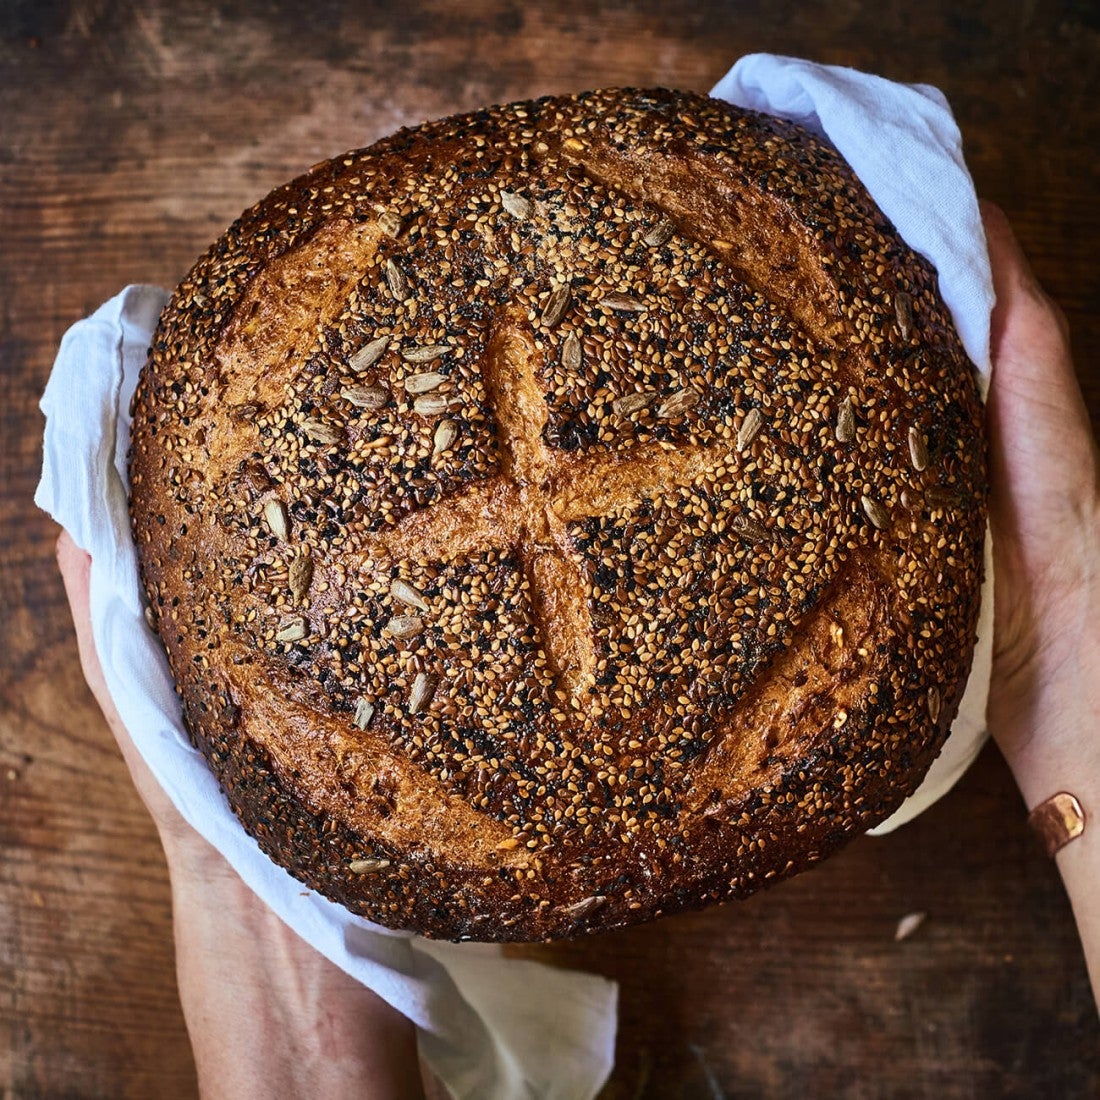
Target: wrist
{"type": "Point", "coordinates": [1049, 727]}
{"type": "Point", "coordinates": [197, 870]}
{"type": "Point", "coordinates": [266, 1013]}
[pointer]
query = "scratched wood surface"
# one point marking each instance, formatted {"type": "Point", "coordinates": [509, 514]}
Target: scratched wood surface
{"type": "Point", "coordinates": [131, 133]}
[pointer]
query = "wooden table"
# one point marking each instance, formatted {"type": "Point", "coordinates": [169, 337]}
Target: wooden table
{"type": "Point", "coordinates": [130, 135]}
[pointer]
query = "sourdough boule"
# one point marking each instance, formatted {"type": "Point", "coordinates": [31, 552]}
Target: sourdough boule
{"type": "Point", "coordinates": [562, 514]}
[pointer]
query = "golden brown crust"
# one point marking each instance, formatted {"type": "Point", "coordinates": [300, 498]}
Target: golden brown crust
{"type": "Point", "coordinates": [563, 514]}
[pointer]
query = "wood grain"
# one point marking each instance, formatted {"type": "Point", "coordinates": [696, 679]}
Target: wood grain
{"type": "Point", "coordinates": [131, 134]}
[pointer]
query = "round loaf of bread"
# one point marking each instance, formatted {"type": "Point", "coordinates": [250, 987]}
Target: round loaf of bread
{"type": "Point", "coordinates": [562, 514]}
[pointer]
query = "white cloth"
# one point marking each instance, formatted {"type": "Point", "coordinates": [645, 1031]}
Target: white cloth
{"type": "Point", "coordinates": [903, 143]}
{"type": "Point", "coordinates": [489, 1027]}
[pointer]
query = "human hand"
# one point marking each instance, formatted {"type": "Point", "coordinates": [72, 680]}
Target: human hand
{"type": "Point", "coordinates": [1044, 695]}
{"type": "Point", "coordinates": [1045, 517]}
{"type": "Point", "coordinates": [267, 1015]}
{"type": "Point", "coordinates": [177, 837]}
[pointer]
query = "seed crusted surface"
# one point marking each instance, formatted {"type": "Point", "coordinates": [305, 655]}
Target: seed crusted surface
{"type": "Point", "coordinates": [562, 515]}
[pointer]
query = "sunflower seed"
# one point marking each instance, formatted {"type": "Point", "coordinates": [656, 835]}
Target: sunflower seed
{"type": "Point", "coordinates": [573, 145]}
{"type": "Point", "coordinates": [301, 576]}
{"type": "Point", "coordinates": [278, 523]}
{"type": "Point", "coordinates": [677, 403]}
{"type": "Point", "coordinates": [903, 309]}
{"type": "Point", "coordinates": [423, 688]}
{"type": "Point", "coordinates": [572, 355]}
{"type": "Point", "coordinates": [390, 223]}
{"type": "Point", "coordinates": [509, 844]}
{"type": "Point", "coordinates": [918, 448]}
{"type": "Point", "coordinates": [623, 302]}
{"type": "Point", "coordinates": [403, 591]}
{"type": "Point", "coordinates": [422, 383]}
{"type": "Point", "coordinates": [365, 397]}
{"type": "Point", "coordinates": [426, 353]}
{"type": "Point", "coordinates": [405, 626]}
{"type": "Point", "coordinates": [150, 618]}
{"type": "Point", "coordinates": [845, 422]}
{"type": "Point", "coordinates": [396, 281]}
{"type": "Point", "coordinates": [367, 866]}
{"type": "Point", "coordinates": [446, 432]}
{"type": "Point", "coordinates": [293, 630]}
{"type": "Point", "coordinates": [432, 404]}
{"type": "Point", "coordinates": [364, 712]}
{"type": "Point", "coordinates": [583, 907]}
{"type": "Point", "coordinates": [875, 512]}
{"type": "Point", "coordinates": [369, 353]}
{"type": "Point", "coordinates": [934, 702]}
{"type": "Point", "coordinates": [660, 234]}
{"type": "Point", "coordinates": [630, 403]}
{"type": "Point", "coordinates": [749, 529]}
{"type": "Point", "coordinates": [320, 432]}
{"type": "Point", "coordinates": [516, 205]}
{"type": "Point", "coordinates": [750, 426]}
{"type": "Point", "coordinates": [556, 305]}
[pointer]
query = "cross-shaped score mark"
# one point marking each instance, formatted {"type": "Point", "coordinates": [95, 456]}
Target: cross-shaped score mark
{"type": "Point", "coordinates": [528, 506]}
